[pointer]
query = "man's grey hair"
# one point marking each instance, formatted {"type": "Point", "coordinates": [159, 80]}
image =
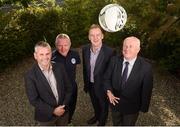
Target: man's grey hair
{"type": "Point", "coordinates": [41, 44]}
{"type": "Point", "coordinates": [135, 39]}
{"type": "Point", "coordinates": [62, 36]}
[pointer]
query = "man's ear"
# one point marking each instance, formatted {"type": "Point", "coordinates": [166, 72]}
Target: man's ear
{"type": "Point", "coordinates": [138, 50]}
{"type": "Point", "coordinates": [102, 36]}
{"type": "Point", "coordinates": [35, 55]}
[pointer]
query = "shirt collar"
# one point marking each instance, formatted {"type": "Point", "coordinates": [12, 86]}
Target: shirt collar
{"type": "Point", "coordinates": [131, 62]}
{"type": "Point", "coordinates": [43, 69]}
{"type": "Point", "coordinates": [98, 49]}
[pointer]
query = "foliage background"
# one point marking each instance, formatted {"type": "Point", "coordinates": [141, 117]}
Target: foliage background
{"type": "Point", "coordinates": [155, 22]}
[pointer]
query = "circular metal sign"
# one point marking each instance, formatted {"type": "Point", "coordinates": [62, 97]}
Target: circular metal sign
{"type": "Point", "coordinates": [112, 17]}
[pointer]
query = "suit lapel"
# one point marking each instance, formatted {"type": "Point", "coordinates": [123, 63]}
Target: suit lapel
{"type": "Point", "coordinates": [43, 79]}
{"type": "Point", "coordinates": [99, 61]}
{"type": "Point", "coordinates": [58, 80]}
{"type": "Point", "coordinates": [119, 71]}
{"type": "Point", "coordinates": [134, 71]}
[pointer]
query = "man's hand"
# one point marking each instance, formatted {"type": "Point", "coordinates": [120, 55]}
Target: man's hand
{"type": "Point", "coordinates": [59, 111]}
{"type": "Point", "coordinates": [112, 99]}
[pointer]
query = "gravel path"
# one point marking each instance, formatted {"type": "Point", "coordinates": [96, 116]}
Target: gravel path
{"type": "Point", "coordinates": [15, 108]}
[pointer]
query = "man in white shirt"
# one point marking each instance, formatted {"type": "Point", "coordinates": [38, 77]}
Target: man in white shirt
{"type": "Point", "coordinates": [48, 88]}
{"type": "Point", "coordinates": [128, 83]}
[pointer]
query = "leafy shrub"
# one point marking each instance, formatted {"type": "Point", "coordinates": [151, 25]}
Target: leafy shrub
{"type": "Point", "coordinates": [21, 29]}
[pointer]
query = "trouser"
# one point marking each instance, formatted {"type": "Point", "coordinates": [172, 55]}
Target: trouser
{"type": "Point", "coordinates": [72, 104]}
{"type": "Point", "coordinates": [100, 105]}
{"type": "Point", "coordinates": [58, 121]}
{"type": "Point", "coordinates": [120, 119]}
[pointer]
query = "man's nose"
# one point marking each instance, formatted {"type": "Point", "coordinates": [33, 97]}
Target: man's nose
{"type": "Point", "coordinates": [44, 56]}
{"type": "Point", "coordinates": [62, 48]}
{"type": "Point", "coordinates": [95, 37]}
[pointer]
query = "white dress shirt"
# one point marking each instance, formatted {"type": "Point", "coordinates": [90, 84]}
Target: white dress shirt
{"type": "Point", "coordinates": [130, 65]}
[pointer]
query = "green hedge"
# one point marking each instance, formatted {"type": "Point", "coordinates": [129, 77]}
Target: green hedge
{"type": "Point", "coordinates": [21, 29]}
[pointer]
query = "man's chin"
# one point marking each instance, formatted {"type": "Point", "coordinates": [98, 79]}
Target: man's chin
{"type": "Point", "coordinates": [127, 57]}
{"type": "Point", "coordinates": [46, 63]}
{"type": "Point", "coordinates": [64, 54]}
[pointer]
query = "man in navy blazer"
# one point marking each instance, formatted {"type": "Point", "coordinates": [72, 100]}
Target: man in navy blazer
{"type": "Point", "coordinates": [96, 57]}
{"type": "Point", "coordinates": [128, 83]}
{"type": "Point", "coordinates": [48, 88]}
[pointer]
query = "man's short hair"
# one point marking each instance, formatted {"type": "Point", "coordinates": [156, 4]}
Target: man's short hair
{"type": "Point", "coordinates": [94, 26]}
{"type": "Point", "coordinates": [41, 44]}
{"type": "Point", "coordinates": [137, 40]}
{"type": "Point", "coordinates": [62, 35]}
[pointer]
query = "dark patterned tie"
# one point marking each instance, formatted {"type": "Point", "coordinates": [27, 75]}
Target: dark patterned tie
{"type": "Point", "coordinates": [124, 75]}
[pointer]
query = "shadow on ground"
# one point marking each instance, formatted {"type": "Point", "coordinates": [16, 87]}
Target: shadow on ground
{"type": "Point", "coordinates": [15, 108]}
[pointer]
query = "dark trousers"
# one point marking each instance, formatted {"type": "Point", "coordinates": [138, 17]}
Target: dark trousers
{"type": "Point", "coordinates": [58, 121]}
{"type": "Point", "coordinates": [72, 103]}
{"type": "Point", "coordinates": [100, 105]}
{"type": "Point", "coordinates": [120, 119]}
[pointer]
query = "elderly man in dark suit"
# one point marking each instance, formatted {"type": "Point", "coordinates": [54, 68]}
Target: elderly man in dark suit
{"type": "Point", "coordinates": [96, 57]}
{"type": "Point", "coordinates": [128, 83]}
{"type": "Point", "coordinates": [48, 88]}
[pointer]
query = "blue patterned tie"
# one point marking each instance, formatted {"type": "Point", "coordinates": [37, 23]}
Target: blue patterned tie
{"type": "Point", "coordinates": [124, 75]}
